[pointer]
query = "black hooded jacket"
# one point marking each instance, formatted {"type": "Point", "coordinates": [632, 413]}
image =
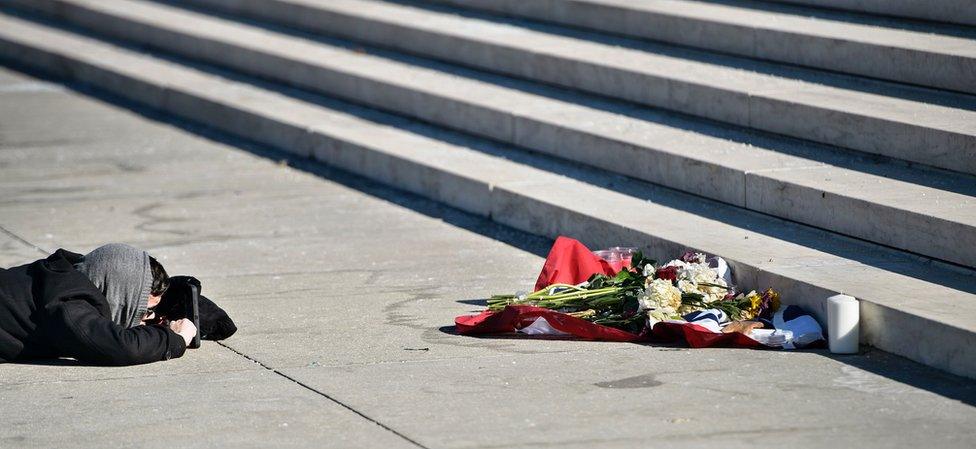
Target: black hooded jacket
{"type": "Point", "coordinates": [48, 309]}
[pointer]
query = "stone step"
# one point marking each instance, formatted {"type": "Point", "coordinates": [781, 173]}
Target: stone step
{"type": "Point", "coordinates": [913, 124]}
{"type": "Point", "coordinates": [928, 212]}
{"type": "Point", "coordinates": [909, 306]}
{"type": "Point", "coordinates": [879, 48]}
{"type": "Point", "coordinates": [961, 12]}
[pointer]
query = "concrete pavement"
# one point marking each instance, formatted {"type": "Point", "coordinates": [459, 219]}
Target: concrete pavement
{"type": "Point", "coordinates": [345, 293]}
{"type": "Point", "coordinates": [915, 307]}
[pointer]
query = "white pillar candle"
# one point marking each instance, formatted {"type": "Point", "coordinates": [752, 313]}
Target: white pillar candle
{"type": "Point", "coordinates": [842, 319]}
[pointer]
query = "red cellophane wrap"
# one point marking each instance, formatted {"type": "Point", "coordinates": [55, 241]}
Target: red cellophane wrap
{"type": "Point", "coordinates": [511, 318]}
{"type": "Point", "coordinates": [701, 337]}
{"type": "Point", "coordinates": [571, 262]}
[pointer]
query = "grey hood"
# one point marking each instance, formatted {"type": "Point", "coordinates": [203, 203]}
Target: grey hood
{"type": "Point", "coordinates": [123, 275]}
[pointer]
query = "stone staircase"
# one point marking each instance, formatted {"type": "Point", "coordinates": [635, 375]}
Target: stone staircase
{"type": "Point", "coordinates": [819, 151]}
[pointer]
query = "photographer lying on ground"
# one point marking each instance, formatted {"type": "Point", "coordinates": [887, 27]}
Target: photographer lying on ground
{"type": "Point", "coordinates": [94, 308]}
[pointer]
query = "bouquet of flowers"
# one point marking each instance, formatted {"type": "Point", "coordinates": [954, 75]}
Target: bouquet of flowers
{"type": "Point", "coordinates": [645, 293]}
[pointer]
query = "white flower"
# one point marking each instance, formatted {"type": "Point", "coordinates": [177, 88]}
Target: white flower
{"type": "Point", "coordinates": [675, 263]}
{"type": "Point", "coordinates": [698, 273]}
{"type": "Point", "coordinates": [661, 296]}
{"type": "Point", "coordinates": [711, 289]}
{"type": "Point", "coordinates": [711, 297]}
{"type": "Point", "coordinates": [714, 293]}
{"type": "Point", "coordinates": [653, 316]}
{"type": "Point", "coordinates": [687, 286]}
{"type": "Point", "coordinates": [649, 270]}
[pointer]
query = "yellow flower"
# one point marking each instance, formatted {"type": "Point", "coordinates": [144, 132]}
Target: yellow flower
{"type": "Point", "coordinates": [754, 301]}
{"type": "Point", "coordinates": [774, 302]}
{"type": "Point", "coordinates": [749, 304]}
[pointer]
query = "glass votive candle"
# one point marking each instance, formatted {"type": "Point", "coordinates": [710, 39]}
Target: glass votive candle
{"type": "Point", "coordinates": [612, 258]}
{"type": "Point", "coordinates": [625, 254]}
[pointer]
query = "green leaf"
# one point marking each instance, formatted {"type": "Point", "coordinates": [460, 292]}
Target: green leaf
{"type": "Point", "coordinates": [622, 277]}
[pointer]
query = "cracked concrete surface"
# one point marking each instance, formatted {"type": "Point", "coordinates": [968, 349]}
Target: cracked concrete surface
{"type": "Point", "coordinates": [345, 292]}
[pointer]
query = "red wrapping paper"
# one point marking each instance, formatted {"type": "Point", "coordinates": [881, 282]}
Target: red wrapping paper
{"type": "Point", "coordinates": [512, 318]}
{"type": "Point", "coordinates": [700, 337]}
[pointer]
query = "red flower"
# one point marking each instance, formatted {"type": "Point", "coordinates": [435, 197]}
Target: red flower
{"type": "Point", "coordinates": [667, 273]}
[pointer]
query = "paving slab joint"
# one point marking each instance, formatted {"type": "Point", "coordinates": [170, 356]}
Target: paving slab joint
{"type": "Point", "coordinates": [325, 395]}
{"type": "Point", "coordinates": [24, 241]}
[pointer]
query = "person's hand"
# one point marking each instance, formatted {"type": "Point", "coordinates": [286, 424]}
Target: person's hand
{"type": "Point", "coordinates": [184, 328]}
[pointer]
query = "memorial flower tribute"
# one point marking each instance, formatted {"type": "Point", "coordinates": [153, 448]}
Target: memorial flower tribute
{"type": "Point", "coordinates": [645, 293]}
{"type": "Point", "coordinates": [628, 297]}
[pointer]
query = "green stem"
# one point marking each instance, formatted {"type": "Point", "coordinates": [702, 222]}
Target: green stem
{"type": "Point", "coordinates": [578, 296]}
